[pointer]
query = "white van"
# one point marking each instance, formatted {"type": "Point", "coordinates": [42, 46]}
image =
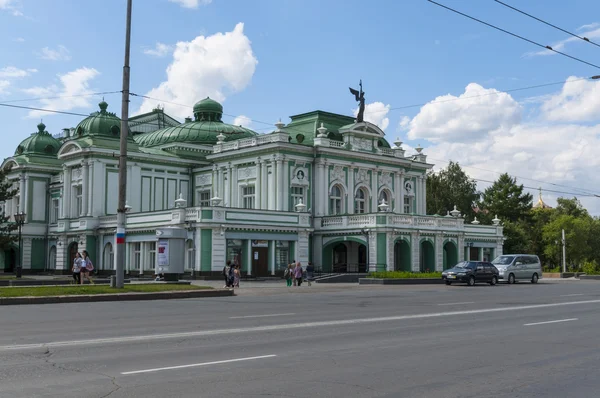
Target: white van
{"type": "Point", "coordinates": [515, 267]}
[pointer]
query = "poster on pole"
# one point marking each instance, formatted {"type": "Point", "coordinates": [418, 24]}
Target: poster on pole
{"type": "Point", "coordinates": [163, 252]}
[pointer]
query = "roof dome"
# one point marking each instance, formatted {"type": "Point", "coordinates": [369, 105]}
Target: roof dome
{"type": "Point", "coordinates": [202, 131]}
{"type": "Point", "coordinates": [39, 143]}
{"type": "Point", "coordinates": [101, 123]}
{"type": "Point", "coordinates": [208, 109]}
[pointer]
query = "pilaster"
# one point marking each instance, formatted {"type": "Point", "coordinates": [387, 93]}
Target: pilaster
{"type": "Point", "coordinates": [439, 252]}
{"type": "Point", "coordinates": [84, 188]}
{"type": "Point", "coordinates": [401, 189]}
{"type": "Point", "coordinates": [258, 184]}
{"type": "Point", "coordinates": [415, 248]}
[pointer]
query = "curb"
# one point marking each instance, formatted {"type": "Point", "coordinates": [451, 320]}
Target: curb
{"type": "Point", "coordinates": [91, 298]}
{"type": "Point", "coordinates": [413, 281]}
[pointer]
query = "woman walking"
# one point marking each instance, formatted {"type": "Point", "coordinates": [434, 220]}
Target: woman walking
{"type": "Point", "coordinates": [236, 276]}
{"type": "Point", "coordinates": [86, 267]}
{"type": "Point", "coordinates": [287, 274]}
{"type": "Point", "coordinates": [298, 273]}
{"type": "Point", "coordinates": [77, 263]}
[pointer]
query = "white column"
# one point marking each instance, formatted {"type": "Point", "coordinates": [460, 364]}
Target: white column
{"type": "Point", "coordinates": [215, 182]}
{"type": "Point", "coordinates": [264, 181]}
{"type": "Point", "coordinates": [418, 195]}
{"type": "Point", "coordinates": [397, 190]}
{"type": "Point", "coordinates": [222, 185]}
{"type": "Point", "coordinates": [90, 192]}
{"type": "Point", "coordinates": [350, 209]}
{"type": "Point", "coordinates": [22, 203]}
{"type": "Point", "coordinates": [317, 182]}
{"type": "Point", "coordinates": [272, 257]}
{"type": "Point", "coordinates": [84, 188]}
{"type": "Point", "coordinates": [272, 203]}
{"type": "Point", "coordinates": [424, 194]}
{"type": "Point", "coordinates": [401, 187]}
{"type": "Point", "coordinates": [258, 184]}
{"type": "Point", "coordinates": [439, 252]}
{"type": "Point", "coordinates": [234, 184]}
{"type": "Point", "coordinates": [285, 191]}
{"type": "Point", "coordinates": [67, 192]}
{"type": "Point", "coordinates": [279, 184]}
{"type": "Point", "coordinates": [325, 189]}
{"type": "Point", "coordinates": [374, 186]}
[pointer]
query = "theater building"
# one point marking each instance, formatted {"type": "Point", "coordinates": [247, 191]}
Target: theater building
{"type": "Point", "coordinates": [321, 188]}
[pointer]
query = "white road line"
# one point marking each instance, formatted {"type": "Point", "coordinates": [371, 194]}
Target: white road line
{"type": "Point", "coordinates": [261, 316]}
{"type": "Point", "coordinates": [464, 302]}
{"type": "Point", "coordinates": [544, 323]}
{"type": "Point", "coordinates": [193, 365]}
{"type": "Point", "coordinates": [571, 295]}
{"type": "Point", "coordinates": [288, 326]}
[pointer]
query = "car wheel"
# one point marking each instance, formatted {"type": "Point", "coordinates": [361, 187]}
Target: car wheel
{"type": "Point", "coordinates": [471, 281]}
{"type": "Point", "coordinates": [494, 280]}
{"type": "Point", "coordinates": [511, 279]}
{"type": "Point", "coordinates": [534, 278]}
{"type": "Point", "coordinates": [448, 283]}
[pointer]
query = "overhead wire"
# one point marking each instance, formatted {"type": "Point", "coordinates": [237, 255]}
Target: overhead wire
{"type": "Point", "coordinates": [548, 23]}
{"type": "Point", "coordinates": [514, 34]}
{"type": "Point", "coordinates": [61, 96]}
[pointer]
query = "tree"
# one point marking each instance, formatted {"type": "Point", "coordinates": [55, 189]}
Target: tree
{"type": "Point", "coordinates": [451, 187]}
{"type": "Point", "coordinates": [539, 218]}
{"type": "Point", "coordinates": [506, 200]}
{"type": "Point", "coordinates": [577, 236]}
{"type": "Point", "coordinates": [571, 207]}
{"type": "Point", "coordinates": [6, 193]}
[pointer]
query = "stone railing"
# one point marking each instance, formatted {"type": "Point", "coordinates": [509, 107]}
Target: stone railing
{"type": "Point", "coordinates": [251, 142]}
{"type": "Point", "coordinates": [391, 220]}
{"type": "Point", "coordinates": [337, 144]}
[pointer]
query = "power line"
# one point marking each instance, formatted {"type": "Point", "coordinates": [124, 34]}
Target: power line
{"type": "Point", "coordinates": [515, 35]}
{"type": "Point", "coordinates": [60, 96]}
{"type": "Point", "coordinates": [585, 192]}
{"type": "Point", "coordinates": [44, 110]}
{"type": "Point", "coordinates": [548, 23]}
{"type": "Point", "coordinates": [547, 190]}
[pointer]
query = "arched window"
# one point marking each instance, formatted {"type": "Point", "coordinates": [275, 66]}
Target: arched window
{"type": "Point", "coordinates": [360, 201]}
{"type": "Point", "coordinates": [335, 200]}
{"type": "Point", "coordinates": [108, 257]}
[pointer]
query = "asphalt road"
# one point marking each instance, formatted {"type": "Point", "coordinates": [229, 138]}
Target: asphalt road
{"type": "Point", "coordinates": [324, 341]}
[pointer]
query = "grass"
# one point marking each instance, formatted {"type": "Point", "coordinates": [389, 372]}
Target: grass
{"type": "Point", "coordinates": [404, 275]}
{"type": "Point", "coordinates": [87, 289]}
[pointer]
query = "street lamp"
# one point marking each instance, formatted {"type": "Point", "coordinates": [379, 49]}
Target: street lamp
{"type": "Point", "coordinates": [19, 220]}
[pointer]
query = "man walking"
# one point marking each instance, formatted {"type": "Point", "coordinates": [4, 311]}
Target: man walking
{"type": "Point", "coordinates": [298, 273]}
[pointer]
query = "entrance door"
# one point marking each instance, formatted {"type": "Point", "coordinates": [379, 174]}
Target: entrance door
{"type": "Point", "coordinates": [260, 261]}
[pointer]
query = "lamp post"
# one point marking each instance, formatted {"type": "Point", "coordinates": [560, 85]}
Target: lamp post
{"type": "Point", "coordinates": [19, 220]}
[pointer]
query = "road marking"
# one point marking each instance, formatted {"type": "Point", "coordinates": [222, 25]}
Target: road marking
{"type": "Point", "coordinates": [267, 328]}
{"type": "Point", "coordinates": [193, 365]}
{"type": "Point", "coordinates": [464, 302]}
{"type": "Point", "coordinates": [571, 295]}
{"type": "Point", "coordinates": [261, 316]}
{"type": "Point", "coordinates": [557, 321]}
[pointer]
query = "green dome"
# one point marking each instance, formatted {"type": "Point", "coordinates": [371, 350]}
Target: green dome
{"type": "Point", "coordinates": [102, 123]}
{"type": "Point", "coordinates": [208, 109]}
{"type": "Point", "coordinates": [40, 143]}
{"type": "Point", "coordinates": [202, 131]}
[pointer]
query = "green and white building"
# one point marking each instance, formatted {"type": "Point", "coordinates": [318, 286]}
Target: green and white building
{"type": "Point", "coordinates": [322, 188]}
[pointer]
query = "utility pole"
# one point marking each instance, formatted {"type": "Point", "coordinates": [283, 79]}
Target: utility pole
{"type": "Point", "coordinates": [121, 210]}
{"type": "Point", "coordinates": [564, 252]}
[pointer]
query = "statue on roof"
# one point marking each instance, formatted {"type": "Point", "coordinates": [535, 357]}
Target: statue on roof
{"type": "Point", "coordinates": [360, 97]}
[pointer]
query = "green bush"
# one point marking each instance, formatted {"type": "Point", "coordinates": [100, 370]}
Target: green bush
{"type": "Point", "coordinates": [590, 268]}
{"type": "Point", "coordinates": [404, 275]}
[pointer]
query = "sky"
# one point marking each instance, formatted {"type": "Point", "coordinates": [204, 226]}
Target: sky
{"type": "Point", "coordinates": [431, 77]}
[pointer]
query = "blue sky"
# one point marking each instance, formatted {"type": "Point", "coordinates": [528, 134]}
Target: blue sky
{"type": "Point", "coordinates": [294, 56]}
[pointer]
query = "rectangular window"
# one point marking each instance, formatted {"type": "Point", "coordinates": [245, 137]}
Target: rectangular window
{"type": "Point", "coordinates": [54, 211]}
{"type": "Point", "coordinates": [78, 201]}
{"type": "Point", "coordinates": [408, 205]}
{"type": "Point", "coordinates": [297, 196]}
{"type": "Point", "coordinates": [204, 198]}
{"type": "Point", "coordinates": [282, 254]}
{"type": "Point", "coordinates": [151, 255]}
{"type": "Point", "coordinates": [135, 255]}
{"type": "Point", "coordinates": [335, 206]}
{"type": "Point", "coordinates": [248, 195]}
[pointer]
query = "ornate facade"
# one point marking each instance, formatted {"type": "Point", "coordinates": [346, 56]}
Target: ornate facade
{"type": "Point", "coordinates": [322, 188]}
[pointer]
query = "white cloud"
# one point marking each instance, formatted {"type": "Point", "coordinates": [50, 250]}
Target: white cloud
{"type": "Point", "coordinates": [210, 66]}
{"type": "Point", "coordinates": [160, 50]}
{"type": "Point", "coordinates": [19, 39]}
{"type": "Point", "coordinates": [5, 4]}
{"type": "Point", "coordinates": [466, 117]}
{"type": "Point", "coordinates": [376, 113]}
{"type": "Point", "coordinates": [243, 121]}
{"type": "Point", "coordinates": [591, 31]}
{"type": "Point", "coordinates": [590, 26]}
{"type": "Point", "coordinates": [579, 100]}
{"type": "Point", "coordinates": [13, 72]}
{"type": "Point", "coordinates": [191, 3]}
{"type": "Point", "coordinates": [72, 90]}
{"type": "Point", "coordinates": [404, 123]}
{"type": "Point", "coordinates": [60, 54]}
{"type": "Point", "coordinates": [562, 154]}
{"type": "Point", "coordinates": [3, 86]}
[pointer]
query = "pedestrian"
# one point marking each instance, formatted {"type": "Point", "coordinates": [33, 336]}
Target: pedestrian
{"type": "Point", "coordinates": [293, 266]}
{"type": "Point", "coordinates": [310, 273]}
{"type": "Point", "coordinates": [287, 274]}
{"type": "Point", "coordinates": [236, 276]}
{"type": "Point", "coordinates": [77, 263]}
{"type": "Point", "coordinates": [226, 270]}
{"type": "Point", "coordinates": [86, 267]}
{"type": "Point", "coordinates": [298, 272]}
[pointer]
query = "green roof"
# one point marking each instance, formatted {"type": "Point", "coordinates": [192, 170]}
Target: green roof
{"type": "Point", "coordinates": [102, 123]}
{"type": "Point", "coordinates": [202, 131]}
{"type": "Point", "coordinates": [40, 143]}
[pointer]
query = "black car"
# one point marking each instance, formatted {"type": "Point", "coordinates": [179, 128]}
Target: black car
{"type": "Point", "coordinates": [471, 272]}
